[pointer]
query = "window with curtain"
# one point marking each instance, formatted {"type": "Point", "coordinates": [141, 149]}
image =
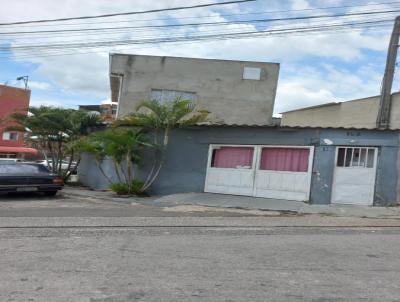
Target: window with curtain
{"type": "Point", "coordinates": [284, 159]}
{"type": "Point", "coordinates": [232, 157]}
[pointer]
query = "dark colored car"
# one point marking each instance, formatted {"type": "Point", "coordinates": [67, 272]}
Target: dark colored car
{"type": "Point", "coordinates": [28, 177]}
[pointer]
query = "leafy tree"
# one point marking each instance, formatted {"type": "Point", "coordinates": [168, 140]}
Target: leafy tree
{"type": "Point", "coordinates": [52, 130]}
{"type": "Point", "coordinates": [161, 119]}
{"type": "Point", "coordinates": [124, 146]}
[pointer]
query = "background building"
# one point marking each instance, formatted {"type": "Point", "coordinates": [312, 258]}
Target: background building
{"type": "Point", "coordinates": [12, 100]}
{"type": "Point", "coordinates": [107, 112]}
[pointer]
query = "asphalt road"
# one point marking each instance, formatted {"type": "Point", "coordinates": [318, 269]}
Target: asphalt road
{"type": "Point", "coordinates": [190, 257]}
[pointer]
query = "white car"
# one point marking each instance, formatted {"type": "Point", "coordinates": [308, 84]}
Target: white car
{"type": "Point", "coordinates": [64, 164]}
{"type": "Point", "coordinates": [10, 160]}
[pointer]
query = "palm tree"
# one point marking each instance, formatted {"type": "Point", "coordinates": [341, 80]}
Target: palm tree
{"type": "Point", "coordinates": [122, 145]}
{"type": "Point", "coordinates": [162, 119]}
{"type": "Point", "coordinates": [53, 130]}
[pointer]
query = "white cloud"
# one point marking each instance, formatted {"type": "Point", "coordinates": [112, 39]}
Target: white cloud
{"type": "Point", "coordinates": [38, 85]}
{"type": "Point", "coordinates": [325, 84]}
{"type": "Point", "coordinates": [45, 102]}
{"type": "Point", "coordinates": [87, 74]}
{"type": "Point", "coordinates": [300, 4]}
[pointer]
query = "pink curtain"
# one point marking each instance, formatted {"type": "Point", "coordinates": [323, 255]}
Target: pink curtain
{"type": "Point", "coordinates": [233, 157]}
{"type": "Point", "coordinates": [284, 159]}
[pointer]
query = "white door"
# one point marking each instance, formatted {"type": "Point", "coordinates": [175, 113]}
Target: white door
{"type": "Point", "coordinates": [230, 170]}
{"type": "Point", "coordinates": [284, 172]}
{"type": "Point", "coordinates": [354, 176]}
{"type": "Point", "coordinates": [281, 172]}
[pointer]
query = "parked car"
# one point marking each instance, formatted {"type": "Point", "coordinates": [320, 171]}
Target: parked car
{"type": "Point", "coordinates": [10, 160]}
{"type": "Point", "coordinates": [64, 164]}
{"type": "Point", "coordinates": [28, 177]}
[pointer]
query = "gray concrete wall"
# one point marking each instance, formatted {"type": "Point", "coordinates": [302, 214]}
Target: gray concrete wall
{"type": "Point", "coordinates": [218, 84]}
{"type": "Point", "coordinates": [186, 163]}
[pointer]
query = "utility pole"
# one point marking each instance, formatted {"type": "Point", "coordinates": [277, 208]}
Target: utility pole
{"type": "Point", "coordinates": [383, 119]}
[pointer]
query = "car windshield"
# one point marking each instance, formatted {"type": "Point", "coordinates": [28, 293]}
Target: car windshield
{"type": "Point", "coordinates": [22, 169]}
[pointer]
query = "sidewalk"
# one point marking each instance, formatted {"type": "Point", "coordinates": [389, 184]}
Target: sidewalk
{"type": "Point", "coordinates": [241, 202]}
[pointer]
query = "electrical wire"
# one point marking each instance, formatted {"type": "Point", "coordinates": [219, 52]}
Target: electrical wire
{"type": "Point", "coordinates": [219, 15]}
{"type": "Point", "coordinates": [129, 13]}
{"type": "Point", "coordinates": [251, 34]}
{"type": "Point", "coordinates": [204, 23]}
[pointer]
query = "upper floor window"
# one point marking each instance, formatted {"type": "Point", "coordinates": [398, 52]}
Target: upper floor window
{"type": "Point", "coordinates": [10, 136]}
{"type": "Point", "coordinates": [252, 73]}
{"type": "Point", "coordinates": [165, 96]}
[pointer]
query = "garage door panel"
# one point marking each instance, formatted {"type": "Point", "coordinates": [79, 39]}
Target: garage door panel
{"type": "Point", "coordinates": [354, 176]}
{"type": "Point", "coordinates": [298, 196]}
{"type": "Point", "coordinates": [275, 172]}
{"type": "Point", "coordinates": [229, 190]}
{"type": "Point", "coordinates": [230, 170]}
{"type": "Point", "coordinates": [281, 181]}
{"type": "Point", "coordinates": [345, 194]}
{"type": "Point", "coordinates": [284, 173]}
{"type": "Point", "coordinates": [301, 183]}
{"type": "Point", "coordinates": [235, 178]}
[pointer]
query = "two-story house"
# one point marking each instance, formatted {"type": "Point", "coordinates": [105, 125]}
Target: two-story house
{"type": "Point", "coordinates": [242, 151]}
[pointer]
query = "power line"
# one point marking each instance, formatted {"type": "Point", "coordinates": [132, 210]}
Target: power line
{"type": "Point", "coordinates": [204, 23]}
{"type": "Point", "coordinates": [137, 32]}
{"type": "Point", "coordinates": [233, 28]}
{"type": "Point", "coordinates": [221, 15]}
{"type": "Point", "coordinates": [185, 38]}
{"type": "Point", "coordinates": [111, 36]}
{"type": "Point", "coordinates": [61, 52]}
{"type": "Point", "coordinates": [129, 13]}
{"type": "Point", "coordinates": [76, 52]}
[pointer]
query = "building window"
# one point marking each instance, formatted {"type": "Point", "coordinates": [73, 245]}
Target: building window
{"type": "Point", "coordinates": [252, 73]}
{"type": "Point", "coordinates": [232, 157]}
{"type": "Point", "coordinates": [114, 110]}
{"type": "Point", "coordinates": [285, 159]}
{"type": "Point", "coordinates": [355, 157]}
{"type": "Point", "coordinates": [10, 136]}
{"type": "Point", "coordinates": [164, 96]}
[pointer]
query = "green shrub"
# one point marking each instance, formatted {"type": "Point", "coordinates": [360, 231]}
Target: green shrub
{"type": "Point", "coordinates": [123, 188]}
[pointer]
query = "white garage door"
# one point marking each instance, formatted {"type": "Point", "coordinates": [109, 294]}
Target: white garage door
{"type": "Point", "coordinates": [280, 172]}
{"type": "Point", "coordinates": [354, 176]}
{"type": "Point", "coordinates": [231, 170]}
{"type": "Point", "coordinates": [284, 173]}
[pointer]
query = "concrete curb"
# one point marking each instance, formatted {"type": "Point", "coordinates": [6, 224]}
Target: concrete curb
{"type": "Point", "coordinates": [241, 202]}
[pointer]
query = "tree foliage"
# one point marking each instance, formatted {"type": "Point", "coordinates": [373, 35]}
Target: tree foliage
{"type": "Point", "coordinates": [125, 147]}
{"type": "Point", "coordinates": [53, 131]}
{"type": "Point", "coordinates": [161, 119]}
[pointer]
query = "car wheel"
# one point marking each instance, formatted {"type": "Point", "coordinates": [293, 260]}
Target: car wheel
{"type": "Point", "coordinates": [50, 193]}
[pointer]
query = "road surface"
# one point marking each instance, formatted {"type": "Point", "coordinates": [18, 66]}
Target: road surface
{"type": "Point", "coordinates": [189, 257]}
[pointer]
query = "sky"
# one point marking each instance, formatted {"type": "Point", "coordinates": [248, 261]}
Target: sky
{"type": "Point", "coordinates": [314, 68]}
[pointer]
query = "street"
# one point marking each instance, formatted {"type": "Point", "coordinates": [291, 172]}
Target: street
{"type": "Point", "coordinates": [190, 257]}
